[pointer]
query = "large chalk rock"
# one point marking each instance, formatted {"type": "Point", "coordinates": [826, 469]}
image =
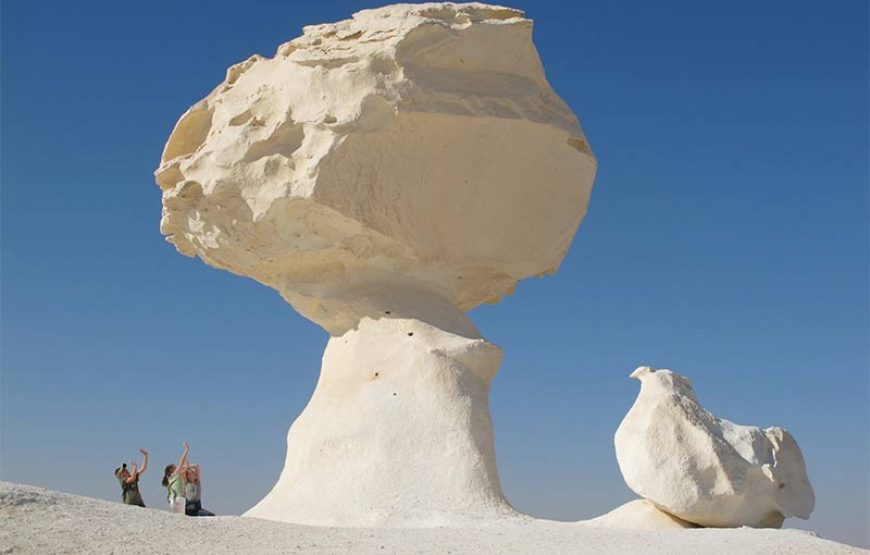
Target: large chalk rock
{"type": "Point", "coordinates": [704, 469]}
{"type": "Point", "coordinates": [419, 141]}
{"type": "Point", "coordinates": [386, 174]}
{"type": "Point", "coordinates": [397, 433]}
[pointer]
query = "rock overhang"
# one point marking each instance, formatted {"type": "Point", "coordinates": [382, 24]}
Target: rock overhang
{"type": "Point", "coordinates": [418, 141]}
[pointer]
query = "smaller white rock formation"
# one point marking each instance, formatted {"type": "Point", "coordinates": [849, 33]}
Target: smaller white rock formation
{"type": "Point", "coordinates": [706, 470]}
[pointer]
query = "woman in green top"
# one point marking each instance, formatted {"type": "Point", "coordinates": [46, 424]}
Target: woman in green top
{"type": "Point", "coordinates": [173, 481]}
{"type": "Point", "coordinates": [130, 480]}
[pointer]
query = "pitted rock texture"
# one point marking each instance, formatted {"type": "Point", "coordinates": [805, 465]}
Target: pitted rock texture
{"type": "Point", "coordinates": [418, 143]}
{"type": "Point", "coordinates": [706, 470]}
{"type": "Point", "coordinates": [386, 174]}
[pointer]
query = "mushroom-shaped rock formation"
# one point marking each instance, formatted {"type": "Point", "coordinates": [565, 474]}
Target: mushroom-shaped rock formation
{"type": "Point", "coordinates": [706, 470]}
{"type": "Point", "coordinates": [386, 174]}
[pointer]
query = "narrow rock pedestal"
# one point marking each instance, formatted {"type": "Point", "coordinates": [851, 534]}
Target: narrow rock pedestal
{"type": "Point", "coordinates": [398, 430]}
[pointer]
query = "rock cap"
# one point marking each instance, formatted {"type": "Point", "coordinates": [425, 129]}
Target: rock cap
{"type": "Point", "coordinates": [414, 143]}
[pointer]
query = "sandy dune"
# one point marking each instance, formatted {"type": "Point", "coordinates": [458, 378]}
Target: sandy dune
{"type": "Point", "coordinates": [36, 520]}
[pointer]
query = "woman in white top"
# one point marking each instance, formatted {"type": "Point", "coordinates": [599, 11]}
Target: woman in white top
{"type": "Point", "coordinates": [193, 493]}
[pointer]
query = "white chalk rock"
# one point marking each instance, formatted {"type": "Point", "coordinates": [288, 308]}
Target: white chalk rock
{"type": "Point", "coordinates": [397, 433]}
{"type": "Point", "coordinates": [416, 140]}
{"type": "Point", "coordinates": [706, 470]}
{"type": "Point", "coordinates": [386, 174]}
{"type": "Point", "coordinates": [639, 514]}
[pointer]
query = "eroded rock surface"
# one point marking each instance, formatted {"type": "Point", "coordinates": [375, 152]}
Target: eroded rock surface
{"type": "Point", "coordinates": [386, 174]}
{"type": "Point", "coordinates": [418, 141]}
{"type": "Point", "coordinates": [706, 470]}
{"type": "Point", "coordinates": [398, 433]}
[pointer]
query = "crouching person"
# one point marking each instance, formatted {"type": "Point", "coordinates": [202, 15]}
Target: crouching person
{"type": "Point", "coordinates": [193, 493]}
{"type": "Point", "coordinates": [130, 481]}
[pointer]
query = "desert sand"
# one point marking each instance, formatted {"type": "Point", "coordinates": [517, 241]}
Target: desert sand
{"type": "Point", "coordinates": [38, 521]}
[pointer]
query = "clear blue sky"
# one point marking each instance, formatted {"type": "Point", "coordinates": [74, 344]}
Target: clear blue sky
{"type": "Point", "coordinates": [727, 239]}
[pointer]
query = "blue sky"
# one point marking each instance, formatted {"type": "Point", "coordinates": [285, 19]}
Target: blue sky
{"type": "Point", "coordinates": [727, 239]}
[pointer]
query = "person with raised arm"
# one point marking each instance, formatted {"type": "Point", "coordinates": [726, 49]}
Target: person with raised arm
{"type": "Point", "coordinates": [193, 492]}
{"type": "Point", "coordinates": [130, 480]}
{"type": "Point", "coordinates": [173, 481]}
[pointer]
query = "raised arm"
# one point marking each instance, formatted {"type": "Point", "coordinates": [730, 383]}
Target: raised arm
{"type": "Point", "coordinates": [182, 463]}
{"type": "Point", "coordinates": [144, 461]}
{"type": "Point", "coordinates": [133, 471]}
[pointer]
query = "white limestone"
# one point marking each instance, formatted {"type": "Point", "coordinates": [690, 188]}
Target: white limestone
{"type": "Point", "coordinates": [639, 514]}
{"type": "Point", "coordinates": [39, 521]}
{"type": "Point", "coordinates": [416, 140]}
{"type": "Point", "coordinates": [385, 174]}
{"type": "Point", "coordinates": [397, 433]}
{"type": "Point", "coordinates": [706, 470]}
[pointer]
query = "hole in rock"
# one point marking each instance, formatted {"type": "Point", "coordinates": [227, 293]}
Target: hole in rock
{"type": "Point", "coordinates": [236, 71]}
{"type": "Point", "coordinates": [410, 333]}
{"type": "Point", "coordinates": [380, 64]}
{"type": "Point", "coordinates": [394, 394]}
{"type": "Point", "coordinates": [189, 134]}
{"type": "Point", "coordinates": [354, 36]}
{"type": "Point", "coordinates": [387, 312]}
{"type": "Point", "coordinates": [241, 118]}
{"type": "Point", "coordinates": [169, 176]}
{"type": "Point", "coordinates": [284, 140]}
{"type": "Point", "coordinates": [579, 143]}
{"type": "Point", "coordinates": [286, 49]}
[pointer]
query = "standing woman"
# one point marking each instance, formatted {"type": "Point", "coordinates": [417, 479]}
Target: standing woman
{"type": "Point", "coordinates": [173, 481]}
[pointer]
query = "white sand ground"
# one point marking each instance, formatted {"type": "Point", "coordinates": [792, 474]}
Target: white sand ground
{"type": "Point", "coordinates": [36, 520]}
